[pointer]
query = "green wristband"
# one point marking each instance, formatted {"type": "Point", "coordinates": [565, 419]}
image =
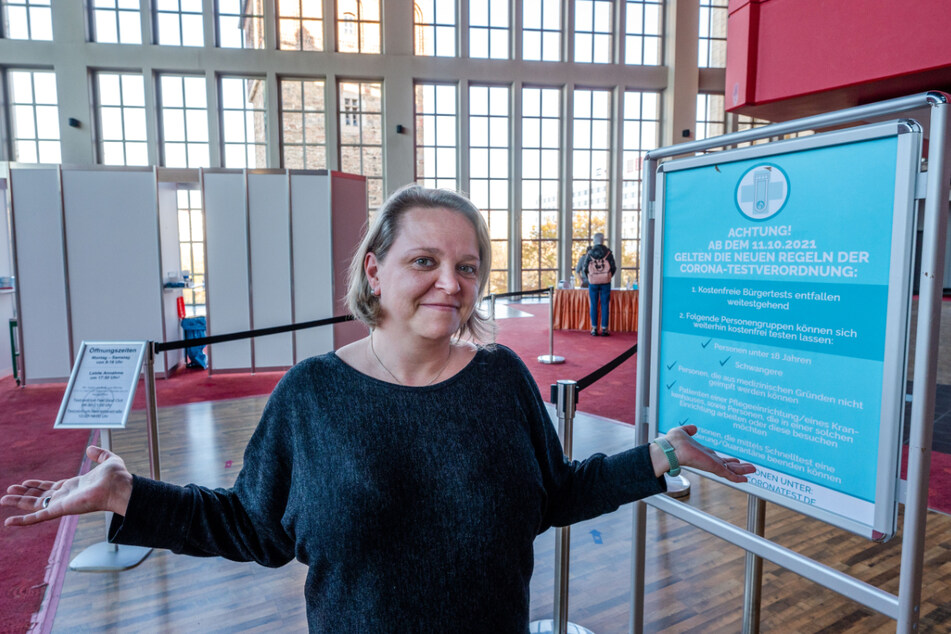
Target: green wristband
{"type": "Point", "coordinates": [668, 450]}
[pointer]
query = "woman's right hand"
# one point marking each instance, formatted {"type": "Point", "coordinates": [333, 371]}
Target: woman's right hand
{"type": "Point", "coordinates": [107, 487]}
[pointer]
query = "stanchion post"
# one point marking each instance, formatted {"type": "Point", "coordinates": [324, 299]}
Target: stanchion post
{"type": "Point", "coordinates": [151, 412]}
{"type": "Point", "coordinates": [550, 358]}
{"type": "Point", "coordinates": [567, 399]}
{"type": "Point", "coordinates": [105, 441]}
{"type": "Point", "coordinates": [753, 587]}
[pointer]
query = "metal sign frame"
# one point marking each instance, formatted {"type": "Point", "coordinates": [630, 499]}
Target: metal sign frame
{"type": "Point", "coordinates": [811, 495]}
{"type": "Point", "coordinates": [116, 380]}
{"type": "Point", "coordinates": [933, 186]}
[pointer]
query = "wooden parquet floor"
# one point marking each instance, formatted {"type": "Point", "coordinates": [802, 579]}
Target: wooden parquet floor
{"type": "Point", "coordinates": [694, 581]}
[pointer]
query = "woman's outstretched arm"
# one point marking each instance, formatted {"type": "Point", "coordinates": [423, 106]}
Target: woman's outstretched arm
{"type": "Point", "coordinates": [690, 453]}
{"type": "Point", "coordinates": [107, 487]}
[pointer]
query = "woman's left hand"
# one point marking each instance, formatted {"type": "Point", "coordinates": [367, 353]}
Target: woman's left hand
{"type": "Point", "coordinates": [691, 453]}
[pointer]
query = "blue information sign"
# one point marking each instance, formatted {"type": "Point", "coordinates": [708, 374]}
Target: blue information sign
{"type": "Point", "coordinates": [782, 313]}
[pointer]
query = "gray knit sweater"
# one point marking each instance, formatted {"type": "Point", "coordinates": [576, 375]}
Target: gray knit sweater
{"type": "Point", "coordinates": [415, 508]}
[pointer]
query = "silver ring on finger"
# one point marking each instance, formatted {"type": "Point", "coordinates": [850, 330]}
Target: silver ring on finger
{"type": "Point", "coordinates": [46, 501]}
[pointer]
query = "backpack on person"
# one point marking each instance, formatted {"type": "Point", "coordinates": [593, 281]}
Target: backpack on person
{"type": "Point", "coordinates": [599, 269]}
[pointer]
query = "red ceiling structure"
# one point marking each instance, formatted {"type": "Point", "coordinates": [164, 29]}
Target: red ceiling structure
{"type": "Point", "coordinates": [795, 58]}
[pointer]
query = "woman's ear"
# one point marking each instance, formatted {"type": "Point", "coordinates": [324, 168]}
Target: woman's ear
{"type": "Point", "coordinates": [371, 267]}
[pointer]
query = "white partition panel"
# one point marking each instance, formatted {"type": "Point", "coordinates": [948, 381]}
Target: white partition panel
{"type": "Point", "coordinates": [112, 243]}
{"type": "Point", "coordinates": [269, 213]}
{"type": "Point", "coordinates": [226, 267]}
{"type": "Point", "coordinates": [41, 274]}
{"type": "Point", "coordinates": [313, 261]}
{"type": "Point", "coordinates": [6, 296]}
{"type": "Point", "coordinates": [171, 262]}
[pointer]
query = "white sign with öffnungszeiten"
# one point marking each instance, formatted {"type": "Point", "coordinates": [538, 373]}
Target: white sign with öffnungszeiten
{"type": "Point", "coordinates": [101, 385]}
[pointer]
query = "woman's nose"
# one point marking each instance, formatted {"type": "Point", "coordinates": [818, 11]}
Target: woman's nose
{"type": "Point", "coordinates": [447, 281]}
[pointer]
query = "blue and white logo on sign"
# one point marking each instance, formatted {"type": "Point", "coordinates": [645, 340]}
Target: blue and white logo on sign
{"type": "Point", "coordinates": [762, 192]}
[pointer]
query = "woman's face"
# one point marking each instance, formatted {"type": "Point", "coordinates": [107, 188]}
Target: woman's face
{"type": "Point", "coordinates": [429, 279]}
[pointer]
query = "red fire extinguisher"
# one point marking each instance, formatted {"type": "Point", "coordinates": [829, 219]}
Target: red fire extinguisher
{"type": "Point", "coordinates": [180, 303]}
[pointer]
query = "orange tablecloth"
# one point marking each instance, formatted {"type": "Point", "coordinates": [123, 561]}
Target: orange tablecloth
{"type": "Point", "coordinates": [571, 310]}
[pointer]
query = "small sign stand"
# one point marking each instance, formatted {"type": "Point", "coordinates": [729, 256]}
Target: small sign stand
{"type": "Point", "coordinates": [99, 396]}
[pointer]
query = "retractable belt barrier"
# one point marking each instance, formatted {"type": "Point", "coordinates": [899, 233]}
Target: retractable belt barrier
{"type": "Point", "coordinates": [248, 334]}
{"type": "Point", "coordinates": [597, 375]}
{"type": "Point", "coordinates": [151, 410]}
{"type": "Point", "coordinates": [537, 291]}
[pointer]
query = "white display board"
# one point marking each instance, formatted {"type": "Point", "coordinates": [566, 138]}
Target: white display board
{"type": "Point", "coordinates": [102, 385]}
{"type": "Point", "coordinates": [226, 266]}
{"type": "Point", "coordinates": [313, 261]}
{"type": "Point", "coordinates": [781, 316]}
{"type": "Point", "coordinates": [269, 213]}
{"type": "Point", "coordinates": [41, 274]}
{"type": "Point", "coordinates": [112, 242]}
{"type": "Point", "coordinates": [279, 273]}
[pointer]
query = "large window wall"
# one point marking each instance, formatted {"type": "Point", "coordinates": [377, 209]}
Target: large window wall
{"type": "Point", "coordinates": [191, 236]}
{"type": "Point", "coordinates": [243, 126]}
{"type": "Point", "coordinates": [541, 186]}
{"type": "Point", "coordinates": [436, 135]}
{"type": "Point", "coordinates": [540, 110]}
{"type": "Point", "coordinates": [712, 46]}
{"type": "Point", "coordinates": [35, 116]}
{"type": "Point", "coordinates": [591, 168]}
{"type": "Point", "coordinates": [184, 121]}
{"type": "Point", "coordinates": [120, 101]}
{"type": "Point", "coordinates": [360, 117]}
{"type": "Point", "coordinates": [303, 123]}
{"type": "Point", "coordinates": [27, 19]}
{"type": "Point", "coordinates": [640, 134]}
{"type": "Point", "coordinates": [489, 171]}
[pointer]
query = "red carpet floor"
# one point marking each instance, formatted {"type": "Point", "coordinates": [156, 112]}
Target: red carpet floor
{"type": "Point", "coordinates": [611, 397]}
{"type": "Point", "coordinates": [33, 448]}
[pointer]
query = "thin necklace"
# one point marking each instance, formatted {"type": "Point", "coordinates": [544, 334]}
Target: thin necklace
{"type": "Point", "coordinates": [395, 378]}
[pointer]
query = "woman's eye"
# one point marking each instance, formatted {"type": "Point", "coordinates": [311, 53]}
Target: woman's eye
{"type": "Point", "coordinates": [468, 269]}
{"type": "Point", "coordinates": [423, 261]}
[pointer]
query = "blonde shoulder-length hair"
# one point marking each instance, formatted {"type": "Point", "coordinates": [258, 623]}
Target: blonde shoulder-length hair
{"type": "Point", "coordinates": [361, 301]}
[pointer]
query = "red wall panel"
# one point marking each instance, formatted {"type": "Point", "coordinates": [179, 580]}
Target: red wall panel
{"type": "Point", "coordinates": [833, 52]}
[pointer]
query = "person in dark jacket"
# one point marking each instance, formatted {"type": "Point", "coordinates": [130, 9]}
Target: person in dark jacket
{"type": "Point", "coordinates": [410, 470]}
{"type": "Point", "coordinates": [598, 264]}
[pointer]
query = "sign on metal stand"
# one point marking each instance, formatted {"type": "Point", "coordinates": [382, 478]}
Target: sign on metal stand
{"type": "Point", "coordinates": [778, 292]}
{"type": "Point", "coordinates": [99, 396]}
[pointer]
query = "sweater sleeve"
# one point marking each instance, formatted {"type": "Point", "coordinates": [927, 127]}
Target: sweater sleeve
{"type": "Point", "coordinates": [579, 490]}
{"type": "Point", "coordinates": [611, 262]}
{"type": "Point", "coordinates": [243, 523]}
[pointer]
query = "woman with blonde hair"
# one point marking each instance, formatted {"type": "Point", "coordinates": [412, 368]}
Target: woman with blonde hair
{"type": "Point", "coordinates": [410, 470]}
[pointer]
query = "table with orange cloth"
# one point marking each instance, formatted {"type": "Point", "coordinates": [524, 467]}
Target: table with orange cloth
{"type": "Point", "coordinates": [571, 312]}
